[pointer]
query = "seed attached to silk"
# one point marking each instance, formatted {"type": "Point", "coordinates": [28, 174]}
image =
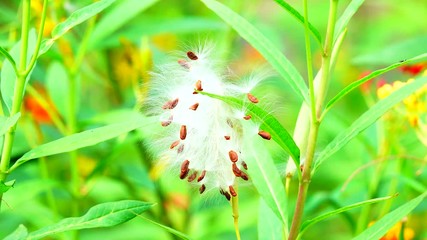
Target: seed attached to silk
{"type": "Point", "coordinates": [227, 137]}
{"type": "Point", "coordinates": [171, 104]}
{"type": "Point", "coordinates": [183, 132]}
{"type": "Point", "coordinates": [174, 144]}
{"type": "Point", "coordinates": [232, 191]}
{"type": "Point", "coordinates": [184, 169]}
{"type": "Point", "coordinates": [244, 176]}
{"type": "Point", "coordinates": [244, 165]}
{"type": "Point", "coordinates": [184, 63]}
{"type": "Point", "coordinates": [194, 106]}
{"type": "Point", "coordinates": [167, 122]}
{"type": "Point", "coordinates": [236, 170]}
{"type": "Point", "coordinates": [192, 56]}
{"type": "Point", "coordinates": [227, 195]}
{"type": "Point", "coordinates": [202, 188]}
{"type": "Point", "coordinates": [252, 98]}
{"type": "Point", "coordinates": [192, 176]}
{"type": "Point", "coordinates": [247, 117]}
{"type": "Point", "coordinates": [233, 156]}
{"type": "Point", "coordinates": [180, 148]}
{"type": "Point", "coordinates": [202, 175]}
{"type": "Point", "coordinates": [264, 135]}
{"type": "Point", "coordinates": [199, 85]}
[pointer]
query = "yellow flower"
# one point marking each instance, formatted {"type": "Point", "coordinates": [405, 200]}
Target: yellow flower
{"type": "Point", "coordinates": [394, 233]}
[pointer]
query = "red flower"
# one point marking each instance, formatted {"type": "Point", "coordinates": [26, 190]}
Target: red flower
{"type": "Point", "coordinates": [413, 69]}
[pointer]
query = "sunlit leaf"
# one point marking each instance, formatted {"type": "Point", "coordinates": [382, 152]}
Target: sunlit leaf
{"type": "Point", "coordinates": [101, 215]}
{"type": "Point", "coordinates": [269, 225]}
{"type": "Point", "coordinates": [381, 227]}
{"type": "Point", "coordinates": [171, 230]}
{"type": "Point", "coordinates": [120, 14]}
{"type": "Point", "coordinates": [368, 118]}
{"type": "Point", "coordinates": [261, 43]}
{"type": "Point", "coordinates": [9, 58]}
{"type": "Point", "coordinates": [80, 140]}
{"type": "Point", "coordinates": [8, 122]}
{"type": "Point", "coordinates": [4, 187]}
{"type": "Point", "coordinates": [20, 233]}
{"type": "Point", "coordinates": [268, 123]}
{"type": "Point", "coordinates": [324, 216]}
{"type": "Point", "coordinates": [346, 16]}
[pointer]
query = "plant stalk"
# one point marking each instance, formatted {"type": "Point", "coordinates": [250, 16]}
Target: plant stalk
{"type": "Point", "coordinates": [235, 207]}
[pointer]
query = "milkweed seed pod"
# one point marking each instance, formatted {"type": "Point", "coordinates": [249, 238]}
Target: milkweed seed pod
{"type": "Point", "coordinates": [201, 136]}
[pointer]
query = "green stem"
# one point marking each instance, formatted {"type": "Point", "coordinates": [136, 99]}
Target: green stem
{"type": "Point", "coordinates": [235, 208]}
{"type": "Point", "coordinates": [18, 93]}
{"type": "Point", "coordinates": [309, 63]}
{"type": "Point", "coordinates": [314, 127]}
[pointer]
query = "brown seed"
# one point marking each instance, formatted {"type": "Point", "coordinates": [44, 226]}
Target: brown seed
{"type": "Point", "coordinates": [183, 132]}
{"type": "Point", "coordinates": [252, 98]}
{"type": "Point", "coordinates": [170, 104]}
{"type": "Point", "coordinates": [167, 122]}
{"type": "Point", "coordinates": [202, 175]}
{"type": "Point", "coordinates": [202, 188]}
{"type": "Point", "coordinates": [194, 106]}
{"type": "Point", "coordinates": [232, 191]}
{"type": "Point", "coordinates": [236, 170]}
{"type": "Point", "coordinates": [264, 135]}
{"type": "Point", "coordinates": [180, 148]}
{"type": "Point", "coordinates": [184, 169]}
{"type": "Point", "coordinates": [221, 191]}
{"type": "Point", "coordinates": [227, 137]}
{"type": "Point", "coordinates": [247, 117]}
{"type": "Point", "coordinates": [198, 85]}
{"type": "Point", "coordinates": [233, 156]}
{"type": "Point", "coordinates": [192, 176]}
{"type": "Point", "coordinates": [184, 63]}
{"type": "Point", "coordinates": [174, 144]}
{"type": "Point", "coordinates": [244, 176]}
{"type": "Point", "coordinates": [227, 195]}
{"type": "Point", "coordinates": [191, 55]}
{"type": "Point", "coordinates": [244, 165]}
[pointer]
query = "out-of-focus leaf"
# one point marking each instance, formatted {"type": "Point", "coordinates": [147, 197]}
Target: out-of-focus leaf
{"type": "Point", "coordinates": [346, 16]}
{"type": "Point", "coordinates": [269, 225]}
{"type": "Point", "coordinates": [171, 230]}
{"type": "Point", "coordinates": [7, 122]}
{"type": "Point", "coordinates": [101, 215]}
{"type": "Point", "coordinates": [246, 30]}
{"type": "Point", "coordinates": [394, 52]}
{"type": "Point", "coordinates": [4, 187]}
{"type": "Point", "coordinates": [368, 118]}
{"type": "Point", "coordinates": [80, 140]}
{"type": "Point", "coordinates": [8, 76]}
{"type": "Point", "coordinates": [9, 58]}
{"type": "Point", "coordinates": [20, 233]}
{"type": "Point", "coordinates": [119, 15]}
{"type": "Point", "coordinates": [382, 226]}
{"type": "Point", "coordinates": [73, 20]}
{"type": "Point", "coordinates": [300, 18]}
{"type": "Point", "coordinates": [322, 217]}
{"type": "Point", "coordinates": [57, 86]}
{"type": "Point", "coordinates": [268, 123]}
{"type": "Point", "coordinates": [356, 84]}
{"type": "Point", "coordinates": [265, 177]}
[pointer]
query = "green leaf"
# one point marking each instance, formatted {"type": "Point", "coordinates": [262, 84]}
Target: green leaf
{"type": "Point", "coordinates": [265, 177]}
{"type": "Point", "coordinates": [20, 233]}
{"type": "Point", "coordinates": [268, 123]}
{"type": "Point", "coordinates": [8, 122]}
{"type": "Point", "coordinates": [8, 76]}
{"type": "Point", "coordinates": [57, 85]}
{"type": "Point", "coordinates": [80, 140]}
{"type": "Point", "coordinates": [171, 230]}
{"type": "Point", "coordinates": [346, 16]}
{"type": "Point", "coordinates": [381, 227]}
{"type": "Point", "coordinates": [368, 118]}
{"type": "Point", "coordinates": [118, 16]}
{"type": "Point", "coordinates": [247, 31]}
{"type": "Point", "coordinates": [300, 18]}
{"type": "Point", "coordinates": [322, 217]}
{"type": "Point", "coordinates": [101, 215]}
{"type": "Point", "coordinates": [373, 74]}
{"type": "Point", "coordinates": [4, 187]}
{"type": "Point", "coordinates": [10, 58]}
{"type": "Point", "coordinates": [73, 20]}
{"type": "Point", "coordinates": [269, 225]}
{"type": "Point", "coordinates": [399, 51]}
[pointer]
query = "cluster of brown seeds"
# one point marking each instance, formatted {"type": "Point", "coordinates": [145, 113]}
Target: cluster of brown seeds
{"type": "Point", "coordinates": [192, 174]}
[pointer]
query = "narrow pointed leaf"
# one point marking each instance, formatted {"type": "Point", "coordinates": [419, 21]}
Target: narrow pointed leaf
{"type": "Point", "coordinates": [346, 16]}
{"type": "Point", "coordinates": [261, 43]}
{"type": "Point", "coordinates": [300, 18]}
{"type": "Point", "coordinates": [322, 217]}
{"type": "Point", "coordinates": [268, 123]}
{"type": "Point", "coordinates": [269, 225]}
{"type": "Point", "coordinates": [101, 215]}
{"type": "Point", "coordinates": [382, 226]}
{"type": "Point", "coordinates": [368, 118]}
{"type": "Point", "coordinates": [5, 186]}
{"type": "Point", "coordinates": [20, 233]}
{"type": "Point", "coordinates": [80, 140]}
{"type": "Point", "coordinates": [7, 122]}
{"type": "Point", "coordinates": [171, 230]}
{"type": "Point", "coordinates": [9, 58]}
{"type": "Point", "coordinates": [373, 74]}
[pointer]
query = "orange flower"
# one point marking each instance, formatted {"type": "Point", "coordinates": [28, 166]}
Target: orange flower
{"type": "Point", "coordinates": [413, 69]}
{"type": "Point", "coordinates": [394, 233]}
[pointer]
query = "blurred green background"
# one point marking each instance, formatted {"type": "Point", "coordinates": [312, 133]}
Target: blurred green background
{"type": "Point", "coordinates": [132, 36]}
